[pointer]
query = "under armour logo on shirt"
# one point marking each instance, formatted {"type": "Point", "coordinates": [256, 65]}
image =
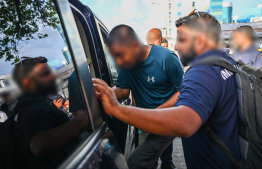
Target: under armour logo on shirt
{"type": "Point", "coordinates": [151, 79]}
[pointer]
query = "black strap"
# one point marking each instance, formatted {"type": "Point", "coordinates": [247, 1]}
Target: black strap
{"type": "Point", "coordinates": [218, 61]}
{"type": "Point", "coordinates": [258, 73]}
{"type": "Point", "coordinates": [222, 145]}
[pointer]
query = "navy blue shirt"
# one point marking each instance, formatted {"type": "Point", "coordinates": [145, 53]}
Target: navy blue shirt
{"type": "Point", "coordinates": [213, 96]}
{"type": "Point", "coordinates": [155, 80]}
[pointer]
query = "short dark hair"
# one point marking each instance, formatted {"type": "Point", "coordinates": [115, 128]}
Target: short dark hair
{"type": "Point", "coordinates": [248, 30]}
{"type": "Point", "coordinates": [122, 34]}
{"type": "Point", "coordinates": [164, 41]}
{"type": "Point", "coordinates": [24, 67]}
{"type": "Point", "coordinates": [212, 25]}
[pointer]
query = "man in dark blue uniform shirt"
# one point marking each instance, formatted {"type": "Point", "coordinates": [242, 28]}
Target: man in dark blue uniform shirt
{"type": "Point", "coordinates": [205, 95]}
{"type": "Point", "coordinates": [154, 75]}
{"type": "Point", "coordinates": [246, 50]}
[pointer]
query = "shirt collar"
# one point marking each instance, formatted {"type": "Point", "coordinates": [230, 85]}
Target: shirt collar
{"type": "Point", "coordinates": [252, 47]}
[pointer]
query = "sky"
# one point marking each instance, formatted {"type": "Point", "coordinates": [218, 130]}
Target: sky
{"type": "Point", "coordinates": [50, 47]}
{"type": "Point", "coordinates": [141, 15]}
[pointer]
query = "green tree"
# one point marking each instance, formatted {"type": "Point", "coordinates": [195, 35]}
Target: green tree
{"type": "Point", "coordinates": [20, 21]}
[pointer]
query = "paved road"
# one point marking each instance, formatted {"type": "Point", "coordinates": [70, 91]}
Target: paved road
{"type": "Point", "coordinates": [178, 155]}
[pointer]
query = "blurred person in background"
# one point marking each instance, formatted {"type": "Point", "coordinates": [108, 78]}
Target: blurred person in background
{"type": "Point", "coordinates": [205, 96]}
{"type": "Point", "coordinates": [244, 42]}
{"type": "Point", "coordinates": [164, 43]}
{"type": "Point", "coordinates": [153, 74]}
{"type": "Point", "coordinates": [59, 101]}
{"type": "Point", "coordinates": [154, 37]}
{"type": "Point", "coordinates": [9, 103]}
{"type": "Point", "coordinates": [227, 48]}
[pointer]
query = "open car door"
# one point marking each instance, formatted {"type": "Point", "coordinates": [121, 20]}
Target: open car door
{"type": "Point", "coordinates": [93, 34]}
{"type": "Point", "coordinates": [100, 149]}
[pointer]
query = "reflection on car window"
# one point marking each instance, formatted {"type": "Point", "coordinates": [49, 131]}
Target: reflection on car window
{"type": "Point", "coordinates": [46, 111]}
{"type": "Point", "coordinates": [113, 67]}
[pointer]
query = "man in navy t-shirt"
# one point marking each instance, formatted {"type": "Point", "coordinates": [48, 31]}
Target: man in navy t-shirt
{"type": "Point", "coordinates": [154, 75]}
{"type": "Point", "coordinates": [206, 95]}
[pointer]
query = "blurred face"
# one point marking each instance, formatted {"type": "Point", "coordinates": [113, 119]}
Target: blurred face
{"type": "Point", "coordinates": [185, 45]}
{"type": "Point", "coordinates": [153, 38]}
{"type": "Point", "coordinates": [238, 39]}
{"type": "Point", "coordinates": [41, 80]}
{"type": "Point", "coordinates": [165, 45]}
{"type": "Point", "coordinates": [126, 56]}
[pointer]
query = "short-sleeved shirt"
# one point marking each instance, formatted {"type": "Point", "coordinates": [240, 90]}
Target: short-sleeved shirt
{"type": "Point", "coordinates": [251, 56]}
{"type": "Point", "coordinates": [155, 80]}
{"type": "Point", "coordinates": [211, 92]}
{"type": "Point", "coordinates": [32, 118]}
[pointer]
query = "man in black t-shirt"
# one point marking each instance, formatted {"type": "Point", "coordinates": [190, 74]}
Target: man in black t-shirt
{"type": "Point", "coordinates": [45, 133]}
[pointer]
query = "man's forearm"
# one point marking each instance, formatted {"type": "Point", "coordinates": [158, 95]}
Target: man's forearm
{"type": "Point", "coordinates": [176, 121]}
{"type": "Point", "coordinates": [121, 94]}
{"type": "Point", "coordinates": [50, 141]}
{"type": "Point", "coordinates": [171, 102]}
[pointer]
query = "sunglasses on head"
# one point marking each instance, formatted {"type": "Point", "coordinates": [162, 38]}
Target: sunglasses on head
{"type": "Point", "coordinates": [23, 58]}
{"type": "Point", "coordinates": [194, 11]}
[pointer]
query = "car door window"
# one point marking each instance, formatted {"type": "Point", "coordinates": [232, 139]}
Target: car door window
{"type": "Point", "coordinates": [70, 101]}
{"type": "Point", "coordinates": [111, 62]}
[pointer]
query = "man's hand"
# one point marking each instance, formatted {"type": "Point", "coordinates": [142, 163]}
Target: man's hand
{"type": "Point", "coordinates": [106, 95]}
{"type": "Point", "coordinates": [58, 103]}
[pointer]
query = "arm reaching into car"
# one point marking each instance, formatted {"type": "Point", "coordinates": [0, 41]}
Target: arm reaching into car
{"type": "Point", "coordinates": [176, 121]}
{"type": "Point", "coordinates": [51, 141]}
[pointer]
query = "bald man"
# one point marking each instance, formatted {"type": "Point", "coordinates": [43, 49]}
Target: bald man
{"type": "Point", "coordinates": [154, 37]}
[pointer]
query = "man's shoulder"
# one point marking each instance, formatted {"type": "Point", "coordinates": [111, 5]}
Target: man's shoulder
{"type": "Point", "coordinates": [33, 106]}
{"type": "Point", "coordinates": [208, 71]}
{"type": "Point", "coordinates": [205, 69]}
{"type": "Point", "coordinates": [164, 55]}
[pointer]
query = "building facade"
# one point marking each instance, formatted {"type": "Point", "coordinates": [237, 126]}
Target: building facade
{"type": "Point", "coordinates": [227, 12]}
{"type": "Point", "coordinates": [216, 9]}
{"type": "Point", "coordinates": [176, 9]}
{"type": "Point", "coordinates": [67, 55]}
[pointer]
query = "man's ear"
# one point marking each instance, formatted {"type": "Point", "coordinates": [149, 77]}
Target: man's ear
{"type": "Point", "coordinates": [199, 44]}
{"type": "Point", "coordinates": [162, 39]}
{"type": "Point", "coordinates": [26, 83]}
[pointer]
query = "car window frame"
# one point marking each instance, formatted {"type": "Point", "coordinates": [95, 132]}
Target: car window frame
{"type": "Point", "coordinates": [84, 149]}
{"type": "Point", "coordinates": [101, 28]}
{"type": "Point", "coordinates": [63, 8]}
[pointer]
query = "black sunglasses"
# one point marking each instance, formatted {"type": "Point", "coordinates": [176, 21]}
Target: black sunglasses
{"type": "Point", "coordinates": [23, 58]}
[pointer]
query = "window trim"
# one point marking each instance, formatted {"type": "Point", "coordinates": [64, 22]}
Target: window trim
{"type": "Point", "coordinates": [102, 29]}
{"type": "Point", "coordinates": [63, 8]}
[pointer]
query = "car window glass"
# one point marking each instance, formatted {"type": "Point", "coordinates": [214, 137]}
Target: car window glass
{"type": "Point", "coordinates": [65, 105]}
{"type": "Point", "coordinates": [110, 59]}
{"type": "Point", "coordinates": [85, 46]}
